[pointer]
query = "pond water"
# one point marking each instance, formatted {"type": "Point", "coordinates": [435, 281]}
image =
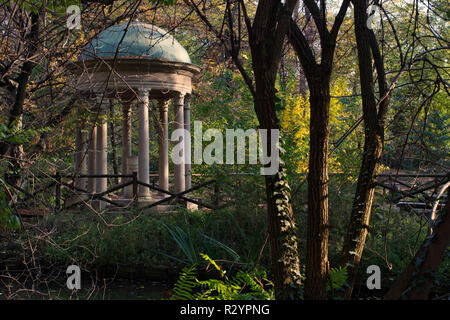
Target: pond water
{"type": "Point", "coordinates": [136, 290]}
{"type": "Point", "coordinates": [119, 289]}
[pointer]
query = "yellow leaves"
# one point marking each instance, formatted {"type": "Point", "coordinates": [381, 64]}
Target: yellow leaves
{"type": "Point", "coordinates": [338, 89]}
{"type": "Point", "coordinates": [295, 119]}
{"type": "Point", "coordinates": [296, 110]}
{"type": "Point", "coordinates": [295, 122]}
{"type": "Point", "coordinates": [383, 168]}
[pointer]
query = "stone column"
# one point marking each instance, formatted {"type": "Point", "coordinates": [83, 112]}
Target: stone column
{"type": "Point", "coordinates": [92, 152]}
{"type": "Point", "coordinates": [80, 153]}
{"type": "Point", "coordinates": [179, 124]}
{"type": "Point", "coordinates": [144, 161]}
{"type": "Point", "coordinates": [187, 141]}
{"type": "Point", "coordinates": [101, 159]}
{"type": "Point", "coordinates": [133, 166]}
{"type": "Point", "coordinates": [126, 144]}
{"type": "Point", "coordinates": [163, 137]}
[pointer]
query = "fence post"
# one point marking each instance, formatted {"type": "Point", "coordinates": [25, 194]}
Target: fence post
{"type": "Point", "coordinates": [135, 188]}
{"type": "Point", "coordinates": [58, 192]}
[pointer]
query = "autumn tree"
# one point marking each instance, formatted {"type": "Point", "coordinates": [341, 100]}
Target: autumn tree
{"type": "Point", "coordinates": [376, 95]}
{"type": "Point", "coordinates": [266, 30]}
{"type": "Point", "coordinates": [318, 76]}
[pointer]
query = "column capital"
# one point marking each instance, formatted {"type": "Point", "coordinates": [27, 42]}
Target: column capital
{"type": "Point", "coordinates": [164, 104]}
{"type": "Point", "coordinates": [102, 105]}
{"type": "Point", "coordinates": [126, 103]}
{"type": "Point", "coordinates": [179, 98]}
{"type": "Point", "coordinates": [143, 93]}
{"type": "Point", "coordinates": [101, 100]}
{"type": "Point", "coordinates": [187, 102]}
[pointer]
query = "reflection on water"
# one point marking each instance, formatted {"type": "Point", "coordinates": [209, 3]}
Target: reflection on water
{"type": "Point", "coordinates": [126, 290]}
{"type": "Point", "coordinates": [119, 289]}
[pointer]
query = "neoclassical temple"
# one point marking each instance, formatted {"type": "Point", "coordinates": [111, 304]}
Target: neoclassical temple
{"type": "Point", "coordinates": [134, 63]}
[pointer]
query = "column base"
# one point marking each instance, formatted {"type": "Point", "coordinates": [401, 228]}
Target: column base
{"type": "Point", "coordinates": [191, 206]}
{"type": "Point", "coordinates": [76, 198]}
{"type": "Point", "coordinates": [145, 198]}
{"type": "Point", "coordinates": [99, 205]}
{"type": "Point", "coordinates": [162, 195]}
{"type": "Point", "coordinates": [187, 205]}
{"type": "Point", "coordinates": [144, 193]}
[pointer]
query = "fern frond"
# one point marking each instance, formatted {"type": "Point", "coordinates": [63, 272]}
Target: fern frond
{"type": "Point", "coordinates": [184, 288]}
{"type": "Point", "coordinates": [338, 277]}
{"type": "Point", "coordinates": [212, 262]}
{"type": "Point", "coordinates": [254, 289]}
{"type": "Point", "coordinates": [243, 286]}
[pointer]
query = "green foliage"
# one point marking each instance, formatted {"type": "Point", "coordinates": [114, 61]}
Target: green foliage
{"type": "Point", "coordinates": [59, 6]}
{"type": "Point", "coordinates": [8, 220]}
{"type": "Point", "coordinates": [392, 243]}
{"type": "Point", "coordinates": [15, 135]}
{"type": "Point", "coordinates": [338, 277]}
{"type": "Point", "coordinates": [184, 287]}
{"type": "Point", "coordinates": [244, 285]}
{"type": "Point", "coordinates": [153, 241]}
{"type": "Point", "coordinates": [186, 243]}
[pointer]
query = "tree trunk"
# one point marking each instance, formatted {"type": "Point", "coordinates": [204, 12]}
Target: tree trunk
{"type": "Point", "coordinates": [266, 35]}
{"type": "Point", "coordinates": [361, 209]}
{"type": "Point", "coordinates": [374, 117]}
{"type": "Point", "coordinates": [266, 38]}
{"type": "Point", "coordinates": [317, 264]}
{"type": "Point", "coordinates": [15, 161]}
{"type": "Point", "coordinates": [318, 76]}
{"type": "Point", "coordinates": [16, 111]}
{"type": "Point", "coordinates": [416, 280]}
{"type": "Point", "coordinates": [15, 151]}
{"type": "Point", "coordinates": [281, 225]}
{"type": "Point", "coordinates": [283, 239]}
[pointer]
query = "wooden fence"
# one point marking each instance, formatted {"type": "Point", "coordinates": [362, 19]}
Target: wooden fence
{"type": "Point", "coordinates": [401, 190]}
{"type": "Point", "coordinates": [59, 182]}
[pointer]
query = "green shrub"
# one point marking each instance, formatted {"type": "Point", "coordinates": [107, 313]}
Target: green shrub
{"type": "Point", "coordinates": [244, 285]}
{"type": "Point", "coordinates": [148, 240]}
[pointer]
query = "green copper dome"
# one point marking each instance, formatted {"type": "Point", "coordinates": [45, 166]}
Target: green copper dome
{"type": "Point", "coordinates": [141, 40]}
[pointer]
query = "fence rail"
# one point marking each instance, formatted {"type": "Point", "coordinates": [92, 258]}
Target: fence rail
{"type": "Point", "coordinates": [58, 182]}
{"type": "Point", "coordinates": [84, 196]}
